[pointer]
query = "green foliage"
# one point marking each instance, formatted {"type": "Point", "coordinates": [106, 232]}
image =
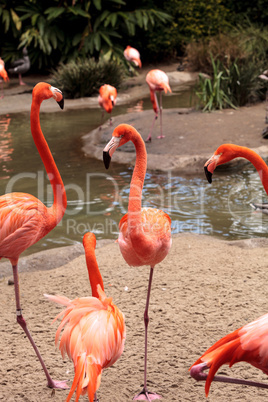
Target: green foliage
{"type": "Point", "coordinates": [84, 77]}
{"type": "Point", "coordinates": [56, 30]}
{"type": "Point", "coordinates": [233, 86]}
{"type": "Point", "coordinates": [214, 93]}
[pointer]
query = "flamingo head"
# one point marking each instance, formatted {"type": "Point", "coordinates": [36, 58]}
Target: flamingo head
{"type": "Point", "coordinates": [121, 135]}
{"type": "Point", "coordinates": [223, 154]}
{"type": "Point", "coordinates": [43, 91]}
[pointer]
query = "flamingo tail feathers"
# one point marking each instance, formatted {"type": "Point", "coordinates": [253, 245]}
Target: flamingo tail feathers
{"type": "Point", "coordinates": [86, 378]}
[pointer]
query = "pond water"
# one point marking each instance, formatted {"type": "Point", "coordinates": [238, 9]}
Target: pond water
{"type": "Point", "coordinates": [97, 199]}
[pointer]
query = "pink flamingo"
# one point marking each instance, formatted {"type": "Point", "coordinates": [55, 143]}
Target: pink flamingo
{"type": "Point", "coordinates": [107, 99]}
{"type": "Point", "coordinates": [3, 74]}
{"type": "Point", "coordinates": [94, 330]}
{"type": "Point", "coordinates": [25, 219]}
{"type": "Point", "coordinates": [157, 81]}
{"type": "Point", "coordinates": [227, 152]}
{"type": "Point", "coordinates": [145, 233]}
{"type": "Point", "coordinates": [248, 344]}
{"type": "Point", "coordinates": [132, 55]}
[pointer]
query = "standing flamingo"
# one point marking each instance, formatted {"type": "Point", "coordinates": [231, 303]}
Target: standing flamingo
{"type": "Point", "coordinates": [248, 344]}
{"type": "Point", "coordinates": [21, 66]}
{"type": "Point", "coordinates": [157, 81]}
{"type": "Point", "coordinates": [132, 55]}
{"type": "Point", "coordinates": [94, 330]}
{"type": "Point", "coordinates": [25, 219]}
{"type": "Point", "coordinates": [3, 74]}
{"type": "Point", "coordinates": [145, 233]}
{"type": "Point", "coordinates": [227, 152]}
{"type": "Point", "coordinates": [107, 99]}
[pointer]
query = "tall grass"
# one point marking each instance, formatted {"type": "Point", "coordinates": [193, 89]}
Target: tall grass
{"type": "Point", "coordinates": [233, 61]}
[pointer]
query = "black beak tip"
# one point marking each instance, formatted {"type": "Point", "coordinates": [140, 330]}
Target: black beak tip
{"type": "Point", "coordinates": [61, 103]}
{"type": "Point", "coordinates": [106, 159]}
{"type": "Point", "coordinates": [208, 174]}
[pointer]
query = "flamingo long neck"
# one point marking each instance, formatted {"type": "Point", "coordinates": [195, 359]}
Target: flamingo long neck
{"type": "Point", "coordinates": [154, 101]}
{"type": "Point", "coordinates": [94, 274]}
{"type": "Point", "coordinates": [257, 162]}
{"type": "Point", "coordinates": [60, 201]}
{"type": "Point", "coordinates": [136, 185]}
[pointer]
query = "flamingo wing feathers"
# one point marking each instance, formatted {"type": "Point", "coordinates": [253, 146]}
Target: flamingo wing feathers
{"type": "Point", "coordinates": [23, 221]}
{"type": "Point", "coordinates": [248, 343]}
{"type": "Point", "coordinates": [93, 337]}
{"type": "Point", "coordinates": [158, 81]}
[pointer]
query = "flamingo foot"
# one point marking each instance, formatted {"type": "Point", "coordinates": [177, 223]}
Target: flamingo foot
{"type": "Point", "coordinates": [57, 384]}
{"type": "Point", "coordinates": [146, 395]}
{"type": "Point", "coordinates": [148, 139]}
{"type": "Point", "coordinates": [161, 136]}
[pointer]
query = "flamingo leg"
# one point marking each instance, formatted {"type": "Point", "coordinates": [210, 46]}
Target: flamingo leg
{"type": "Point", "coordinates": [95, 398]}
{"type": "Point", "coordinates": [146, 395]}
{"type": "Point", "coordinates": [50, 383]}
{"type": "Point", "coordinates": [149, 138]}
{"type": "Point", "coordinates": [102, 115]}
{"type": "Point", "coordinates": [197, 373]}
{"type": "Point", "coordinates": [20, 79]}
{"type": "Point", "coordinates": [160, 109]}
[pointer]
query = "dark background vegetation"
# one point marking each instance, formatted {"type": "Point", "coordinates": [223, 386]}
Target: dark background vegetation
{"type": "Point", "coordinates": [227, 39]}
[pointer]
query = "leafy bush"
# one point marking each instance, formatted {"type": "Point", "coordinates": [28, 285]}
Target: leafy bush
{"type": "Point", "coordinates": [233, 86]}
{"type": "Point", "coordinates": [84, 77]}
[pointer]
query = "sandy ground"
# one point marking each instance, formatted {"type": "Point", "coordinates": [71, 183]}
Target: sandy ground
{"type": "Point", "coordinates": [204, 289]}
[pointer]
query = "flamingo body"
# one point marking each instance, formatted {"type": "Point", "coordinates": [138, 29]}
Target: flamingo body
{"type": "Point", "coordinates": [20, 230]}
{"type": "Point", "coordinates": [154, 224]}
{"type": "Point", "coordinates": [94, 331]}
{"type": "Point", "coordinates": [145, 233]}
{"type": "Point", "coordinates": [157, 81]}
{"type": "Point", "coordinates": [21, 66]}
{"type": "Point", "coordinates": [24, 219]}
{"type": "Point", "coordinates": [3, 72]}
{"type": "Point", "coordinates": [3, 75]}
{"type": "Point", "coordinates": [107, 99]}
{"type": "Point", "coordinates": [132, 55]}
{"type": "Point", "coordinates": [248, 343]}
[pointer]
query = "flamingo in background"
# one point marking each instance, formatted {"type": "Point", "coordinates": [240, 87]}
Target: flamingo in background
{"type": "Point", "coordinates": [132, 55]}
{"type": "Point", "coordinates": [248, 344]}
{"type": "Point", "coordinates": [94, 330]}
{"type": "Point", "coordinates": [21, 66]}
{"type": "Point", "coordinates": [25, 219]}
{"type": "Point", "coordinates": [3, 74]}
{"type": "Point", "coordinates": [107, 99]}
{"type": "Point", "coordinates": [227, 152]}
{"type": "Point", "coordinates": [144, 233]}
{"type": "Point", "coordinates": [157, 81]}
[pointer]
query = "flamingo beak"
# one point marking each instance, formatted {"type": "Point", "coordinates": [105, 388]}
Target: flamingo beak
{"type": "Point", "coordinates": [61, 103]}
{"type": "Point", "coordinates": [210, 166]}
{"type": "Point", "coordinates": [208, 174]}
{"type": "Point", "coordinates": [109, 150]}
{"type": "Point", "coordinates": [58, 96]}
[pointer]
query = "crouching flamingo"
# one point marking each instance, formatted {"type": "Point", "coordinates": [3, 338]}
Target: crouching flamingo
{"type": "Point", "coordinates": [246, 344]}
{"type": "Point", "coordinates": [227, 152]}
{"type": "Point", "coordinates": [107, 100]}
{"type": "Point", "coordinates": [93, 330]}
{"type": "Point", "coordinates": [158, 82]}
